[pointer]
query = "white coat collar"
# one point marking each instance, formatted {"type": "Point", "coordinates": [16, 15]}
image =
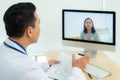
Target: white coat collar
{"type": "Point", "coordinates": [14, 45]}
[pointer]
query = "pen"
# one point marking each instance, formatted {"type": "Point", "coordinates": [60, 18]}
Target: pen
{"type": "Point", "coordinates": [90, 76]}
{"type": "Point", "coordinates": [81, 54]}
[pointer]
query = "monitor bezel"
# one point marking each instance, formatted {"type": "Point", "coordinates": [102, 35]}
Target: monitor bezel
{"type": "Point", "coordinates": [91, 11]}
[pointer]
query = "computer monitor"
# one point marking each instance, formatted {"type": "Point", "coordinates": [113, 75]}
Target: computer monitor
{"type": "Point", "coordinates": [89, 29]}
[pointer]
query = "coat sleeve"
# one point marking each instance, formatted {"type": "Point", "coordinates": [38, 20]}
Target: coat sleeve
{"type": "Point", "coordinates": [77, 74]}
{"type": "Point", "coordinates": [44, 66]}
{"type": "Point", "coordinates": [35, 73]}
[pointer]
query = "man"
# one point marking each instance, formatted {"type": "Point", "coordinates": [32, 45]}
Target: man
{"type": "Point", "coordinates": [22, 26]}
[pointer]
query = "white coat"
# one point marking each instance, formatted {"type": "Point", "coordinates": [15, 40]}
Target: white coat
{"type": "Point", "coordinates": [15, 65]}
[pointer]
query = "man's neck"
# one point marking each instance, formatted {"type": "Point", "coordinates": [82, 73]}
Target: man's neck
{"type": "Point", "coordinates": [21, 41]}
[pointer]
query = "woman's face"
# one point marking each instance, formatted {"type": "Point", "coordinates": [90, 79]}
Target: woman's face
{"type": "Point", "coordinates": [88, 24]}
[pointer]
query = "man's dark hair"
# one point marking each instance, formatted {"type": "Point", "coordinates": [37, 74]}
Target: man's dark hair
{"type": "Point", "coordinates": [18, 17]}
{"type": "Point", "coordinates": [85, 29]}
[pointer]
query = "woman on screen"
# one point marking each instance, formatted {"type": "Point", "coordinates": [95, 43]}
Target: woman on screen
{"type": "Point", "coordinates": [89, 32]}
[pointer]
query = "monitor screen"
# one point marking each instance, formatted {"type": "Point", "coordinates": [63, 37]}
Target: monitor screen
{"type": "Point", "coordinates": [88, 26]}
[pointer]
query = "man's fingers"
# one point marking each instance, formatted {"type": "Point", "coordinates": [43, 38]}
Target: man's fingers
{"type": "Point", "coordinates": [88, 54]}
{"type": "Point", "coordinates": [73, 60]}
{"type": "Point", "coordinates": [73, 56]}
{"type": "Point", "coordinates": [55, 61]}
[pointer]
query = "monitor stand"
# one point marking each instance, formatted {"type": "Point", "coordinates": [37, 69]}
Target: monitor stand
{"type": "Point", "coordinates": [93, 52]}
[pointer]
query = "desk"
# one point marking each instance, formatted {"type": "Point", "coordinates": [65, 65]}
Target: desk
{"type": "Point", "coordinates": [101, 60]}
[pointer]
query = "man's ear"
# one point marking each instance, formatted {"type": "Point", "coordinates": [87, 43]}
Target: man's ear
{"type": "Point", "coordinates": [29, 31]}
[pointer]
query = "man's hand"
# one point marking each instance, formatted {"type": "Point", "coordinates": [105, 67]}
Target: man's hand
{"type": "Point", "coordinates": [51, 62]}
{"type": "Point", "coordinates": [81, 62]}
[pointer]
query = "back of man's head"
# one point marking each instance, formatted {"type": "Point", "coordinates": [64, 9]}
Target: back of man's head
{"type": "Point", "coordinates": [18, 17]}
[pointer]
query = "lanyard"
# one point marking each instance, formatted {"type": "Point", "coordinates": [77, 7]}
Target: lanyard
{"type": "Point", "coordinates": [9, 46]}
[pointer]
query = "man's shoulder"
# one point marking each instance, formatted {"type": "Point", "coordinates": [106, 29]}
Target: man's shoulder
{"type": "Point", "coordinates": [24, 60]}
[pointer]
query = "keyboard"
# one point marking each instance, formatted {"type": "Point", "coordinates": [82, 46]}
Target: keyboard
{"type": "Point", "coordinates": [96, 71]}
{"type": "Point", "coordinates": [63, 70]}
{"type": "Point", "coordinates": [60, 71]}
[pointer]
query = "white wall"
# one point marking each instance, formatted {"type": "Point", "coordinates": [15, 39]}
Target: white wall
{"type": "Point", "coordinates": [113, 5]}
{"type": "Point", "coordinates": [50, 12]}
